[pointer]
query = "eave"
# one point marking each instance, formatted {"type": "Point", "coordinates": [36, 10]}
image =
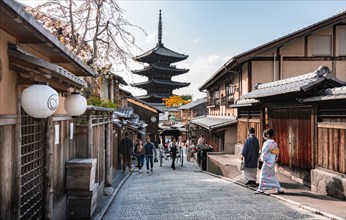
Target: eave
{"type": "Point", "coordinates": [29, 32]}
{"type": "Point", "coordinates": [154, 69]}
{"type": "Point", "coordinates": [236, 61]}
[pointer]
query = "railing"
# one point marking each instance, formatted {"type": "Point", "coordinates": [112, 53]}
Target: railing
{"type": "Point", "coordinates": [227, 100]}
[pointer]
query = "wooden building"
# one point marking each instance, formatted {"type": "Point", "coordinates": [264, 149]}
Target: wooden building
{"type": "Point", "coordinates": [193, 109]}
{"type": "Point", "coordinates": [33, 152]}
{"type": "Point", "coordinates": [149, 114]}
{"type": "Point", "coordinates": [300, 52]}
{"type": "Point", "coordinates": [303, 131]}
{"type": "Point", "coordinates": [329, 150]}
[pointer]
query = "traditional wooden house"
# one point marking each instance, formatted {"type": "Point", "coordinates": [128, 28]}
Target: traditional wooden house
{"type": "Point", "coordinates": [323, 43]}
{"type": "Point", "coordinates": [329, 149]}
{"type": "Point", "coordinates": [111, 88]}
{"type": "Point", "coordinates": [193, 109]}
{"type": "Point", "coordinates": [149, 114]}
{"type": "Point", "coordinates": [33, 151]}
{"type": "Point", "coordinates": [294, 123]}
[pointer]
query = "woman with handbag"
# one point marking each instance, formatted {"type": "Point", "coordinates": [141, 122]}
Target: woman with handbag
{"type": "Point", "coordinates": [269, 156]}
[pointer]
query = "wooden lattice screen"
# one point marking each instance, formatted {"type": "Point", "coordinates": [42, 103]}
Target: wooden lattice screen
{"type": "Point", "coordinates": [32, 168]}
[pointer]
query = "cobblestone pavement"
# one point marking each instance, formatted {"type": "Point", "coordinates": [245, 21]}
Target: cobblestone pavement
{"type": "Point", "coordinates": [188, 193]}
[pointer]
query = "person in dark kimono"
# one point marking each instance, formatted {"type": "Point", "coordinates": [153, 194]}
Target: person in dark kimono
{"type": "Point", "coordinates": [126, 151]}
{"type": "Point", "coordinates": [250, 154]}
{"type": "Point", "coordinates": [173, 147]}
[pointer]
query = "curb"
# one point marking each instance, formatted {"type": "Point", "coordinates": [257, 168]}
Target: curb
{"type": "Point", "coordinates": [288, 201]}
{"type": "Point", "coordinates": [100, 215]}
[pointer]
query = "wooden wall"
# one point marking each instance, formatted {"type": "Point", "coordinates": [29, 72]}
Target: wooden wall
{"type": "Point", "coordinates": [8, 195]}
{"type": "Point", "coordinates": [331, 146]}
{"type": "Point", "coordinates": [92, 139]}
{"type": "Point", "coordinates": [63, 151]}
{"type": "Point", "coordinates": [243, 129]}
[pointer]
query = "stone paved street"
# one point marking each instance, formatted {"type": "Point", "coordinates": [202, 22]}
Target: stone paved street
{"type": "Point", "coordinates": [187, 193]}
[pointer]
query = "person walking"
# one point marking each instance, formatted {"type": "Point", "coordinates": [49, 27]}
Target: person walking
{"type": "Point", "coordinates": [173, 148]}
{"type": "Point", "coordinates": [250, 155]}
{"type": "Point", "coordinates": [201, 140]}
{"type": "Point", "coordinates": [126, 150]}
{"type": "Point", "coordinates": [269, 156]}
{"type": "Point", "coordinates": [149, 151]}
{"type": "Point", "coordinates": [139, 152]}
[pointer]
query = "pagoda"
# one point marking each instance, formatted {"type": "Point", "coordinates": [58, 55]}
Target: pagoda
{"type": "Point", "coordinates": [159, 71]}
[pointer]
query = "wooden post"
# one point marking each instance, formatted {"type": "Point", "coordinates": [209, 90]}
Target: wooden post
{"type": "Point", "coordinates": [17, 163]}
{"type": "Point", "coordinates": [90, 134]}
{"type": "Point", "coordinates": [48, 169]}
{"type": "Point", "coordinates": [108, 154]}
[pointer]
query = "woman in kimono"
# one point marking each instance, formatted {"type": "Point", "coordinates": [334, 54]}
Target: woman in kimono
{"type": "Point", "coordinates": [269, 156]}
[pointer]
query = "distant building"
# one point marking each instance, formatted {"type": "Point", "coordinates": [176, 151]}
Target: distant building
{"type": "Point", "coordinates": [159, 71]}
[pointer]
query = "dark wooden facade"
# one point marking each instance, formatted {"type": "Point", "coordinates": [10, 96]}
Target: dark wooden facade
{"type": "Point", "coordinates": [146, 112]}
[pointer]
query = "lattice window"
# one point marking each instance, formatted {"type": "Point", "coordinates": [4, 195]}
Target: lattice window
{"type": "Point", "coordinates": [32, 168]}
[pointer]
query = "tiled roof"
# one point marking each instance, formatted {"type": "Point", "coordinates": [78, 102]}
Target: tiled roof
{"type": "Point", "coordinates": [154, 68]}
{"type": "Point", "coordinates": [328, 94]}
{"type": "Point", "coordinates": [213, 122]}
{"type": "Point", "coordinates": [279, 42]}
{"type": "Point", "coordinates": [193, 104]}
{"type": "Point", "coordinates": [245, 103]}
{"type": "Point", "coordinates": [161, 82]}
{"type": "Point", "coordinates": [294, 84]}
{"type": "Point", "coordinates": [163, 51]}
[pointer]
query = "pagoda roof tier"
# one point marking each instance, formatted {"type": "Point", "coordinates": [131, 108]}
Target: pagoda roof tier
{"type": "Point", "coordinates": [154, 97]}
{"type": "Point", "coordinates": [160, 53]}
{"type": "Point", "coordinates": [156, 82]}
{"type": "Point", "coordinates": [154, 69]}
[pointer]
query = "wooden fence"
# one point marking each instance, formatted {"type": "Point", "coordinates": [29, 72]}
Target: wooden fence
{"type": "Point", "coordinates": [331, 146]}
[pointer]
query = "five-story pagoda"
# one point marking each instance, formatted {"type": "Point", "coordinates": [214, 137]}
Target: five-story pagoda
{"type": "Point", "coordinates": [159, 71]}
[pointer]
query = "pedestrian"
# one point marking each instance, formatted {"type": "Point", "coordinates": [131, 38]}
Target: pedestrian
{"type": "Point", "coordinates": [149, 151]}
{"type": "Point", "coordinates": [139, 152]}
{"type": "Point", "coordinates": [250, 155]}
{"type": "Point", "coordinates": [269, 156]}
{"type": "Point", "coordinates": [201, 140]}
{"type": "Point", "coordinates": [173, 148]}
{"type": "Point", "coordinates": [188, 144]}
{"type": "Point", "coordinates": [191, 151]}
{"type": "Point", "coordinates": [126, 150]}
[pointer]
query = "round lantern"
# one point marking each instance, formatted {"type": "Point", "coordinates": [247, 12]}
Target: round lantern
{"type": "Point", "coordinates": [40, 101]}
{"type": "Point", "coordinates": [75, 104]}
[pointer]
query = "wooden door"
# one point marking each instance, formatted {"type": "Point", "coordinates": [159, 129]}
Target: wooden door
{"type": "Point", "coordinates": [292, 126]}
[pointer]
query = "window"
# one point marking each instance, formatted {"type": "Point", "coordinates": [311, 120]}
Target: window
{"type": "Point", "coordinates": [321, 45]}
{"type": "Point", "coordinates": [230, 89]}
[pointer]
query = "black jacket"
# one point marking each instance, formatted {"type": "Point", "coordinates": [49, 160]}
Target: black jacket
{"type": "Point", "coordinates": [126, 146]}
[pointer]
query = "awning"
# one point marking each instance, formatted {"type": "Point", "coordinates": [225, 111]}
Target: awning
{"type": "Point", "coordinates": [214, 122]}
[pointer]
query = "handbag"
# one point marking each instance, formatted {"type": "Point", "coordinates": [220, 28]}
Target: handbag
{"type": "Point", "coordinates": [242, 165]}
{"type": "Point", "coordinates": [155, 159]}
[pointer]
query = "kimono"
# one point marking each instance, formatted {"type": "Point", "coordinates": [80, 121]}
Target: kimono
{"type": "Point", "coordinates": [269, 155]}
{"type": "Point", "coordinates": [250, 154]}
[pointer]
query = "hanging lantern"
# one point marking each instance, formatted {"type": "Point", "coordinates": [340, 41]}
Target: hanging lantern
{"type": "Point", "coordinates": [75, 104]}
{"type": "Point", "coordinates": [39, 100]}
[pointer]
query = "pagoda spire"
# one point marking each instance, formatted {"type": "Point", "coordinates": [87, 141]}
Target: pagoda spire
{"type": "Point", "coordinates": [160, 31]}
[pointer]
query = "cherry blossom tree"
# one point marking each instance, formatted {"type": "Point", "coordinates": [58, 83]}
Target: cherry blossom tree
{"type": "Point", "coordinates": [95, 30]}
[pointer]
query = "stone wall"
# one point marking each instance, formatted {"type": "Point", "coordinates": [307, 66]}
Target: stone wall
{"type": "Point", "coordinates": [227, 165]}
{"type": "Point", "coordinates": [327, 182]}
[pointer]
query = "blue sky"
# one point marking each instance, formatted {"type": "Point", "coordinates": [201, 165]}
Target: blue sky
{"type": "Point", "coordinates": [211, 32]}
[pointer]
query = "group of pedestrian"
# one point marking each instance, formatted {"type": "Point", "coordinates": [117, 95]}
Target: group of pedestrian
{"type": "Point", "coordinates": [129, 148]}
{"type": "Point", "coordinates": [268, 155]}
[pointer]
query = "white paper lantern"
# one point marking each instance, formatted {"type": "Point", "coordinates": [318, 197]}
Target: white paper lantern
{"type": "Point", "coordinates": [40, 101]}
{"type": "Point", "coordinates": [75, 104]}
